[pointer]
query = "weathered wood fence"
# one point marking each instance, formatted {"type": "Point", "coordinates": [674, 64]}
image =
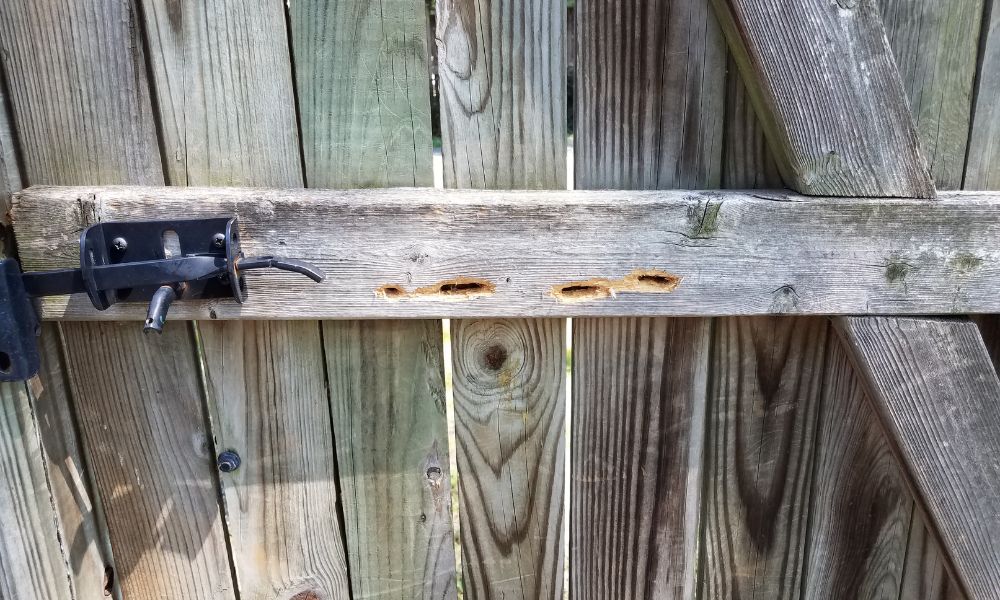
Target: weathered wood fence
{"type": "Point", "coordinates": [709, 457]}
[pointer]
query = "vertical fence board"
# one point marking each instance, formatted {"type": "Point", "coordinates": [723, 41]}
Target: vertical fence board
{"type": "Point", "coordinates": [649, 113]}
{"type": "Point", "coordinates": [503, 93]}
{"type": "Point", "coordinates": [503, 118]}
{"type": "Point", "coordinates": [767, 376]}
{"type": "Point", "coordinates": [861, 508]}
{"type": "Point", "coordinates": [267, 378]}
{"type": "Point", "coordinates": [650, 90]}
{"type": "Point", "coordinates": [935, 46]}
{"type": "Point", "coordinates": [510, 422]}
{"type": "Point", "coordinates": [32, 564]}
{"type": "Point", "coordinates": [925, 575]}
{"type": "Point", "coordinates": [79, 536]}
{"type": "Point", "coordinates": [387, 384]}
{"type": "Point", "coordinates": [638, 429]}
{"type": "Point", "coordinates": [223, 84]}
{"type": "Point", "coordinates": [982, 171]}
{"type": "Point", "coordinates": [83, 112]}
{"type": "Point", "coordinates": [362, 82]}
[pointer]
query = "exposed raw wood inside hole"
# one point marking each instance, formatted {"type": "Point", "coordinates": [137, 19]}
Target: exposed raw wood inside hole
{"type": "Point", "coordinates": [459, 288]}
{"type": "Point", "coordinates": [641, 280]}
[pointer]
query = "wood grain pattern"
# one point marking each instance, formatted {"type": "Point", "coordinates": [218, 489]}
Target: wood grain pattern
{"type": "Point", "coordinates": [270, 397]}
{"type": "Point", "coordinates": [223, 82]}
{"type": "Point", "coordinates": [763, 406]}
{"type": "Point", "coordinates": [387, 390]}
{"type": "Point", "coordinates": [510, 428]}
{"type": "Point", "coordinates": [503, 93]}
{"type": "Point", "coordinates": [147, 444]}
{"type": "Point", "coordinates": [502, 81]}
{"type": "Point", "coordinates": [43, 443]}
{"type": "Point", "coordinates": [835, 113]}
{"type": "Point", "coordinates": [983, 168]}
{"type": "Point", "coordinates": [32, 564]}
{"type": "Point", "coordinates": [936, 390]}
{"type": "Point", "coordinates": [735, 252]}
{"type": "Point", "coordinates": [81, 101]}
{"type": "Point", "coordinates": [639, 415]}
{"type": "Point", "coordinates": [747, 160]}
{"type": "Point", "coordinates": [83, 114]}
{"type": "Point", "coordinates": [925, 575]}
{"type": "Point", "coordinates": [860, 507]}
{"type": "Point", "coordinates": [650, 91]}
{"type": "Point", "coordinates": [362, 83]}
{"type": "Point", "coordinates": [362, 80]}
{"type": "Point", "coordinates": [80, 514]}
{"type": "Point", "coordinates": [935, 46]}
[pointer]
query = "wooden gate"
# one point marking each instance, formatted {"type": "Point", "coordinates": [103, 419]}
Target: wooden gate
{"type": "Point", "coordinates": [719, 435]}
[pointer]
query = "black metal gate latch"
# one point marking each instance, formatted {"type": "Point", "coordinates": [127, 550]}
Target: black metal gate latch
{"type": "Point", "coordinates": [150, 261]}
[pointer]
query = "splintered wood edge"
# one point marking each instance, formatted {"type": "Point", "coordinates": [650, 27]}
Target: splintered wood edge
{"type": "Point", "coordinates": [424, 253]}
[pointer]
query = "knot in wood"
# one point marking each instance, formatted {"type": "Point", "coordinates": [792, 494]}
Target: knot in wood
{"type": "Point", "coordinates": [495, 357]}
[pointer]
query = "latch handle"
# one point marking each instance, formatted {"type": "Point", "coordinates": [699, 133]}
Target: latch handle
{"type": "Point", "coordinates": [131, 262]}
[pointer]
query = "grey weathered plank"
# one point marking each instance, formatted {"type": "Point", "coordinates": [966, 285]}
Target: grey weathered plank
{"type": "Point", "coordinates": [362, 81]}
{"type": "Point", "coordinates": [649, 97]}
{"type": "Point", "coordinates": [638, 421]}
{"type": "Point", "coordinates": [936, 390]}
{"type": "Point", "coordinates": [32, 564]}
{"type": "Point", "coordinates": [510, 428]}
{"type": "Point", "coordinates": [767, 376]}
{"type": "Point", "coordinates": [223, 83]}
{"type": "Point", "coordinates": [503, 116]}
{"type": "Point", "coordinates": [983, 168]}
{"type": "Point", "coordinates": [271, 403]}
{"type": "Point", "coordinates": [747, 161]}
{"type": "Point", "coordinates": [935, 46]}
{"type": "Point", "coordinates": [45, 415]}
{"type": "Point", "coordinates": [925, 575]}
{"type": "Point", "coordinates": [145, 438]}
{"type": "Point", "coordinates": [650, 93]}
{"type": "Point", "coordinates": [831, 102]}
{"type": "Point", "coordinates": [860, 506]}
{"type": "Point", "coordinates": [387, 389]}
{"type": "Point", "coordinates": [734, 252]}
{"type": "Point", "coordinates": [503, 93]}
{"type": "Point", "coordinates": [82, 110]}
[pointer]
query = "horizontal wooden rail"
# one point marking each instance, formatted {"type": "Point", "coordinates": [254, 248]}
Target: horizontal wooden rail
{"type": "Point", "coordinates": [434, 253]}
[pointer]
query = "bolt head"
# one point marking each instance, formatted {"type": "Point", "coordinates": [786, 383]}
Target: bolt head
{"type": "Point", "coordinates": [228, 461]}
{"type": "Point", "coordinates": [219, 240]}
{"type": "Point", "coordinates": [119, 244]}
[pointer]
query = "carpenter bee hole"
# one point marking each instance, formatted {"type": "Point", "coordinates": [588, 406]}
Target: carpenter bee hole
{"type": "Point", "coordinates": [575, 292]}
{"type": "Point", "coordinates": [5, 362]}
{"type": "Point", "coordinates": [390, 291]}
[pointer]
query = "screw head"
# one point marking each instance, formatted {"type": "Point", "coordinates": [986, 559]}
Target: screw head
{"type": "Point", "coordinates": [228, 461]}
{"type": "Point", "coordinates": [219, 240]}
{"type": "Point", "coordinates": [119, 244]}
